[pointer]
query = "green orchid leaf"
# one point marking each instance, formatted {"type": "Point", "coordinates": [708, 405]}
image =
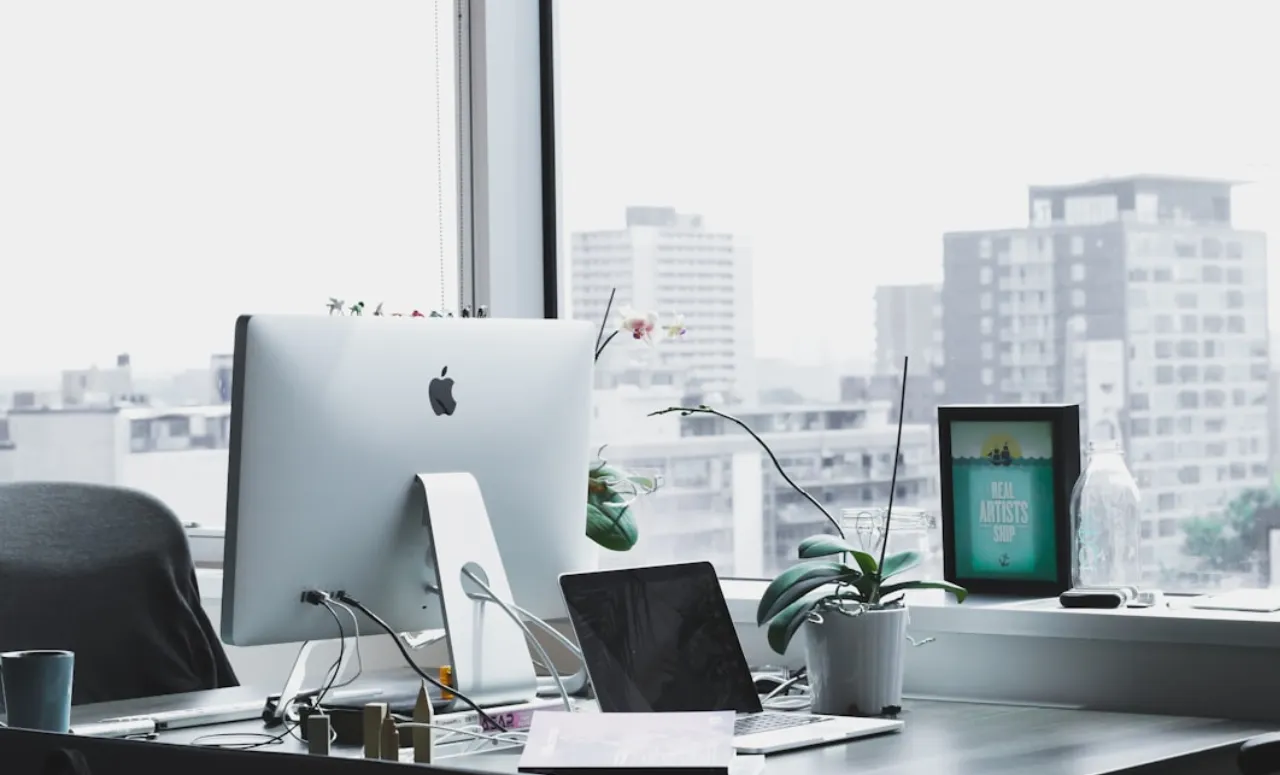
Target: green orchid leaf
{"type": "Point", "coordinates": [898, 563]}
{"type": "Point", "coordinates": [799, 579]}
{"type": "Point", "coordinates": [960, 593]}
{"type": "Point", "coordinates": [824, 545]}
{"type": "Point", "coordinates": [867, 586]}
{"type": "Point", "coordinates": [783, 626]}
{"type": "Point", "coordinates": [611, 525]}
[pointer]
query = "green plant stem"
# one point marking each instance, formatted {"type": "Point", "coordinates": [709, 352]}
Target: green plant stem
{"type": "Point", "coordinates": [687, 410]}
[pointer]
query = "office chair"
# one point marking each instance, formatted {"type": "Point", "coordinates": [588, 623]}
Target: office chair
{"type": "Point", "coordinates": [1260, 755]}
{"type": "Point", "coordinates": [107, 573]}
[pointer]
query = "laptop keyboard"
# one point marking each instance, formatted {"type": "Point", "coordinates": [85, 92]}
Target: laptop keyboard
{"type": "Point", "coordinates": [756, 723]}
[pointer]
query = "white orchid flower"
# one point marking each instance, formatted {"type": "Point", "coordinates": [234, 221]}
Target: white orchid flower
{"type": "Point", "coordinates": [676, 328]}
{"type": "Point", "coordinates": [639, 325]}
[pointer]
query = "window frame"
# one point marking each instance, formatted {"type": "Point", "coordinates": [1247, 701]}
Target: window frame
{"type": "Point", "coordinates": [508, 186]}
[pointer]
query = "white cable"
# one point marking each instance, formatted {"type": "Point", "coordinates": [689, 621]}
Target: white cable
{"type": "Point", "coordinates": [578, 681]}
{"type": "Point", "coordinates": [498, 737]}
{"type": "Point", "coordinates": [355, 621]}
{"type": "Point", "coordinates": [782, 687]}
{"type": "Point", "coordinates": [542, 653]}
{"type": "Point", "coordinates": [552, 631]}
{"type": "Point", "coordinates": [787, 703]}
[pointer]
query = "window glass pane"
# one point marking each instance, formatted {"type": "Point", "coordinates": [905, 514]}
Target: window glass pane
{"type": "Point", "coordinates": [166, 167]}
{"type": "Point", "coordinates": [809, 242]}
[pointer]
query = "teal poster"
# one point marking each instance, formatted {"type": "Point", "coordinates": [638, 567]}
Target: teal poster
{"type": "Point", "coordinates": [1002, 486]}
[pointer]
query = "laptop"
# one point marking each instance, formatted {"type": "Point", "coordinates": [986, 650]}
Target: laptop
{"type": "Point", "coordinates": [660, 639]}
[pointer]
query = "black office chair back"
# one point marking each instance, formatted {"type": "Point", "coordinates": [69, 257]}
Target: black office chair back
{"type": "Point", "coordinates": [107, 573]}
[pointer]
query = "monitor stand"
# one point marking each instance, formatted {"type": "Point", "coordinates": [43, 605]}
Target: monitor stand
{"type": "Point", "coordinates": [487, 649]}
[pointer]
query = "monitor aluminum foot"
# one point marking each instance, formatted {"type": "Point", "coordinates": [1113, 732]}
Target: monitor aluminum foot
{"type": "Point", "coordinates": [487, 650]}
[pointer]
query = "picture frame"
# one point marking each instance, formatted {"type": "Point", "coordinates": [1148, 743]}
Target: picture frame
{"type": "Point", "coordinates": [1006, 475]}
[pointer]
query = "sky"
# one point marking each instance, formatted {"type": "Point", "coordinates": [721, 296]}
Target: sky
{"type": "Point", "coordinates": [166, 166]}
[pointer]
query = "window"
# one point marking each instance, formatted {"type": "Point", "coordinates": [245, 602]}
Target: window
{"type": "Point", "coordinates": [752, 268]}
{"type": "Point", "coordinates": [167, 168]}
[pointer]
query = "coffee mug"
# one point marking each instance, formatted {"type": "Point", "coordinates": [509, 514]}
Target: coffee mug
{"type": "Point", "coordinates": [37, 689]}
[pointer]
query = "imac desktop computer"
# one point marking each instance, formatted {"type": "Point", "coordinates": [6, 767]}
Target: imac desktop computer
{"type": "Point", "coordinates": [357, 444]}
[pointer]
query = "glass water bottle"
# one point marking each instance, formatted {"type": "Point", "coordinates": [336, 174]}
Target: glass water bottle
{"type": "Point", "coordinates": [1106, 513]}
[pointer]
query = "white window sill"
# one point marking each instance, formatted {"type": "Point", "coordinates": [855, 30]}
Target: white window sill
{"type": "Point", "coordinates": [935, 613]}
{"type": "Point", "coordinates": [1164, 661]}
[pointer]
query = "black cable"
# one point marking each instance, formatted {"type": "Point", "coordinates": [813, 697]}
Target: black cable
{"type": "Point", "coordinates": [343, 597]}
{"type": "Point", "coordinates": [212, 740]}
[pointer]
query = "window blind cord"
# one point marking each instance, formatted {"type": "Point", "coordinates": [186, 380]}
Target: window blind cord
{"type": "Point", "coordinates": [439, 164]}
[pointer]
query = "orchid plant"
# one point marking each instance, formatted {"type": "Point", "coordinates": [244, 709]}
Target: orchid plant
{"type": "Point", "coordinates": [610, 489]}
{"type": "Point", "coordinates": [835, 576]}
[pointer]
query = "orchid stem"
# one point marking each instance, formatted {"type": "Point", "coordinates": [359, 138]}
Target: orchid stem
{"type": "Point", "coordinates": [608, 307]}
{"type": "Point", "coordinates": [605, 344]}
{"type": "Point", "coordinates": [893, 480]}
{"type": "Point", "coordinates": [687, 410]}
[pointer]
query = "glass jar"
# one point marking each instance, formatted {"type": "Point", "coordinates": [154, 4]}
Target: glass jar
{"type": "Point", "coordinates": [1106, 514]}
{"type": "Point", "coordinates": [910, 530]}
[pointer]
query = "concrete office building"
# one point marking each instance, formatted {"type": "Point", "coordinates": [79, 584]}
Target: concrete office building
{"type": "Point", "coordinates": [908, 324]}
{"type": "Point", "coordinates": [95, 386]}
{"type": "Point", "coordinates": [669, 262]}
{"type": "Point", "coordinates": [918, 403]}
{"type": "Point", "coordinates": [1138, 298]}
{"type": "Point", "coordinates": [723, 500]}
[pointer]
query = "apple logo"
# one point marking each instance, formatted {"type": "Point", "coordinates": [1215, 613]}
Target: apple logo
{"type": "Point", "coordinates": [440, 391]}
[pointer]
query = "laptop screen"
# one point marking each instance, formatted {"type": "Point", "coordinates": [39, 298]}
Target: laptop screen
{"type": "Point", "coordinates": [659, 639]}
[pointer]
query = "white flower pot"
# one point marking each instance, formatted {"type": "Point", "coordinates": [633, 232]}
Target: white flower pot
{"type": "Point", "coordinates": [855, 662]}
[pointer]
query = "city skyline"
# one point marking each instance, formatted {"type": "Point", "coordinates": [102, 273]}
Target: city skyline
{"type": "Point", "coordinates": [830, 168]}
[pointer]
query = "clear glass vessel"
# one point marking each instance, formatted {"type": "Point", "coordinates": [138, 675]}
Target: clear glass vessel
{"type": "Point", "coordinates": [1106, 514]}
{"type": "Point", "coordinates": [909, 530]}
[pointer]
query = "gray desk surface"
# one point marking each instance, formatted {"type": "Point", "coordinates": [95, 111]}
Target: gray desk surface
{"type": "Point", "coordinates": [941, 738]}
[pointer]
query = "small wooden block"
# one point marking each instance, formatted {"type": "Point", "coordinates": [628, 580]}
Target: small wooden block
{"type": "Point", "coordinates": [374, 714]}
{"type": "Point", "coordinates": [422, 736]}
{"type": "Point", "coordinates": [390, 740]}
{"type": "Point", "coordinates": [318, 734]}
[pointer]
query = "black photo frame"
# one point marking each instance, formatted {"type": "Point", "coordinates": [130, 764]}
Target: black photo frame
{"type": "Point", "coordinates": [1006, 511]}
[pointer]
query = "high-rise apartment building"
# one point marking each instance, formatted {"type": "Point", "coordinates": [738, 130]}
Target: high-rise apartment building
{"type": "Point", "coordinates": [669, 262]}
{"type": "Point", "coordinates": [1139, 299]}
{"type": "Point", "coordinates": [908, 324]}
